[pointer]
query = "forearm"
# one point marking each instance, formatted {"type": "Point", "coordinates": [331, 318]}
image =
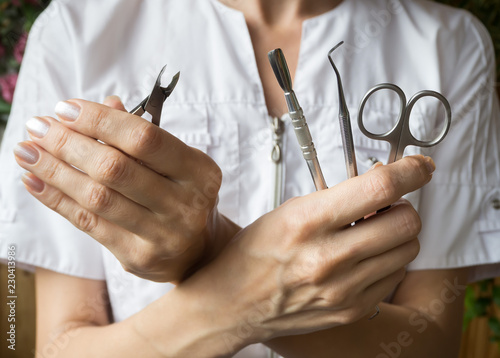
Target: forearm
{"type": "Point", "coordinates": [225, 230]}
{"type": "Point", "coordinates": [176, 325]}
{"type": "Point", "coordinates": [397, 329]}
{"type": "Point", "coordinates": [424, 321]}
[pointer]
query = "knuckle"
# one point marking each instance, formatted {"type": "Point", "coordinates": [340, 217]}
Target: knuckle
{"type": "Point", "coordinates": [298, 227]}
{"type": "Point", "coordinates": [401, 273]}
{"type": "Point", "coordinates": [336, 299]}
{"type": "Point", "coordinates": [379, 186]}
{"type": "Point", "coordinates": [112, 168]}
{"type": "Point", "coordinates": [142, 260]}
{"type": "Point", "coordinates": [353, 314]}
{"type": "Point", "coordinates": [99, 198]}
{"type": "Point", "coordinates": [353, 251]}
{"type": "Point", "coordinates": [51, 172]}
{"type": "Point", "coordinates": [344, 302]}
{"type": "Point", "coordinates": [147, 139]}
{"type": "Point", "coordinates": [85, 220]}
{"type": "Point", "coordinates": [98, 115]}
{"type": "Point", "coordinates": [127, 267]}
{"type": "Point", "coordinates": [417, 165]}
{"type": "Point", "coordinates": [410, 221]}
{"type": "Point", "coordinates": [413, 249]}
{"type": "Point", "coordinates": [61, 141]}
{"type": "Point", "coordinates": [213, 181]}
{"type": "Point", "coordinates": [314, 269]}
{"type": "Point", "coordinates": [56, 202]}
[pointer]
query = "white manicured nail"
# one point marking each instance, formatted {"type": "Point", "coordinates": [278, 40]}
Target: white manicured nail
{"type": "Point", "coordinates": [68, 111]}
{"type": "Point", "coordinates": [37, 126]}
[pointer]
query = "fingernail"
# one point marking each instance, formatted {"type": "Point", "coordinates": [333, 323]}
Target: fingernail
{"type": "Point", "coordinates": [37, 126]}
{"type": "Point", "coordinates": [33, 182]}
{"type": "Point", "coordinates": [429, 163]}
{"type": "Point", "coordinates": [26, 153]}
{"type": "Point", "coordinates": [68, 111]}
{"type": "Point", "coordinates": [112, 98]}
{"type": "Point", "coordinates": [377, 164]}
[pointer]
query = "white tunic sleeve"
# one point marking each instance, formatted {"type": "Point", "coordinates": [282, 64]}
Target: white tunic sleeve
{"type": "Point", "coordinates": [42, 237]}
{"type": "Point", "coordinates": [459, 208]}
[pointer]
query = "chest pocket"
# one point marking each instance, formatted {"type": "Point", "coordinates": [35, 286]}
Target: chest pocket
{"type": "Point", "coordinates": [376, 120]}
{"type": "Point", "coordinates": [368, 151]}
{"type": "Point", "coordinates": [200, 127]}
{"type": "Point", "coordinates": [189, 123]}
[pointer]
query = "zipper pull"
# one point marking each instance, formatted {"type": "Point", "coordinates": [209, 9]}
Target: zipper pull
{"type": "Point", "coordinates": [278, 129]}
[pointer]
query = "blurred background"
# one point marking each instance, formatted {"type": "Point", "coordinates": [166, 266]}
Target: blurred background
{"type": "Point", "coordinates": [481, 326]}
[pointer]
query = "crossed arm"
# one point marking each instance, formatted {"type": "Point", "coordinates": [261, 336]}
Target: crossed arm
{"type": "Point", "coordinates": [297, 271]}
{"type": "Point", "coordinates": [424, 320]}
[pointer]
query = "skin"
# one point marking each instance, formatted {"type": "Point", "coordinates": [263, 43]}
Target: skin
{"type": "Point", "coordinates": [297, 270]}
{"type": "Point", "coordinates": [315, 278]}
{"type": "Point", "coordinates": [112, 197]}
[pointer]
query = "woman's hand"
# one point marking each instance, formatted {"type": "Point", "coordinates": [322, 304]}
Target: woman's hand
{"type": "Point", "coordinates": [303, 267]}
{"type": "Point", "coordinates": [145, 195]}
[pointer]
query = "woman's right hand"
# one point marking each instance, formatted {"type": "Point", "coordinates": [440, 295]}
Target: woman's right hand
{"type": "Point", "coordinates": [303, 267]}
{"type": "Point", "coordinates": [145, 195]}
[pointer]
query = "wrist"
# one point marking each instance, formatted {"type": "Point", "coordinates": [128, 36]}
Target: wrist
{"type": "Point", "coordinates": [196, 320]}
{"type": "Point", "coordinates": [229, 302]}
{"type": "Point", "coordinates": [225, 231]}
{"type": "Point", "coordinates": [177, 325]}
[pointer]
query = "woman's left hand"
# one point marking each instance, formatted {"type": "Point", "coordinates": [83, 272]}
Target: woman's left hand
{"type": "Point", "coordinates": [135, 188]}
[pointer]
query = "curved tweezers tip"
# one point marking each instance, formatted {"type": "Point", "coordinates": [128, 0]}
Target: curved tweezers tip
{"type": "Point", "coordinates": [335, 47]}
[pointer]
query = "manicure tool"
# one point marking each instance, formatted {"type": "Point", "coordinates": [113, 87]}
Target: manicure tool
{"type": "Point", "coordinates": [400, 136]}
{"type": "Point", "coordinates": [280, 68]}
{"type": "Point", "coordinates": [153, 103]}
{"type": "Point", "coordinates": [345, 124]}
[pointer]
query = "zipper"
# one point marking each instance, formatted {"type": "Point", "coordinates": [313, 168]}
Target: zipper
{"type": "Point", "coordinates": [278, 127]}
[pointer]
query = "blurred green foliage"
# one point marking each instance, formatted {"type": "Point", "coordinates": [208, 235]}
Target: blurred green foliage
{"type": "Point", "coordinates": [16, 19]}
{"type": "Point", "coordinates": [481, 298]}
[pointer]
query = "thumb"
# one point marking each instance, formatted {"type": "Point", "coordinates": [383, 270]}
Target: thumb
{"type": "Point", "coordinates": [376, 165]}
{"type": "Point", "coordinates": [114, 102]}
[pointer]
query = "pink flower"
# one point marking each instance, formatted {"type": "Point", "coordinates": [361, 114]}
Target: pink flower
{"type": "Point", "coordinates": [20, 47]}
{"type": "Point", "coordinates": [16, 3]}
{"type": "Point", "coordinates": [7, 86]}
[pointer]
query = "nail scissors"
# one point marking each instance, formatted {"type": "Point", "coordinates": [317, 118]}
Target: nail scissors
{"type": "Point", "coordinates": [153, 103]}
{"type": "Point", "coordinates": [400, 136]}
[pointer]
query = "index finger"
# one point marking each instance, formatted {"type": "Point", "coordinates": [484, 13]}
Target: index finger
{"type": "Point", "coordinates": [153, 146]}
{"type": "Point", "coordinates": [355, 198]}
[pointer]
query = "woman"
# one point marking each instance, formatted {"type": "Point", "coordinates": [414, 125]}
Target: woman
{"type": "Point", "coordinates": [299, 279]}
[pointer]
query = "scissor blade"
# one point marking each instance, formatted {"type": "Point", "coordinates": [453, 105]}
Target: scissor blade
{"type": "Point", "coordinates": [139, 109]}
{"type": "Point", "coordinates": [158, 95]}
{"type": "Point", "coordinates": [154, 102]}
{"type": "Point", "coordinates": [170, 88]}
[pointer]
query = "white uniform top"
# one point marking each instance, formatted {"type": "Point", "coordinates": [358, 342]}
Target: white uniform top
{"type": "Point", "coordinates": [95, 48]}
